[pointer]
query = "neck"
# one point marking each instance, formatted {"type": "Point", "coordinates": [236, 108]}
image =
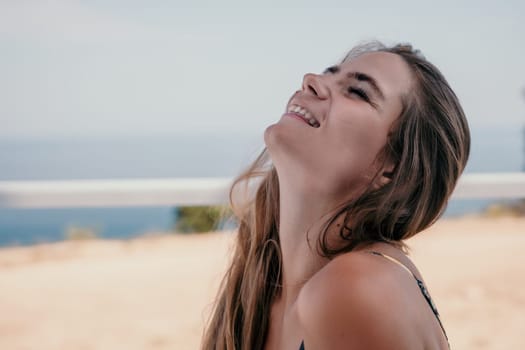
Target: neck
{"type": "Point", "coordinates": [301, 220]}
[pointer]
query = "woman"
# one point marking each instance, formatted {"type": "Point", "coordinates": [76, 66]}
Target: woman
{"type": "Point", "coordinates": [365, 156]}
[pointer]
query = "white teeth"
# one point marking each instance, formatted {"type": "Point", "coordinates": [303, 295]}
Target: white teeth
{"type": "Point", "coordinates": [306, 114]}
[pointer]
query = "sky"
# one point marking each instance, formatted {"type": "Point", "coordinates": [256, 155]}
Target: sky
{"type": "Point", "coordinates": [108, 67]}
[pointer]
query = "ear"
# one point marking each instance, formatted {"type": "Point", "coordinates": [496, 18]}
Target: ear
{"type": "Point", "coordinates": [384, 176]}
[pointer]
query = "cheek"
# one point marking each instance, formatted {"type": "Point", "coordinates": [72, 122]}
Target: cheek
{"type": "Point", "coordinates": [360, 140]}
{"type": "Point", "coordinates": [351, 154]}
{"type": "Point", "coordinates": [335, 161]}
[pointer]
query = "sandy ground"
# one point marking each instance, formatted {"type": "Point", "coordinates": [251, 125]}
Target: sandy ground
{"type": "Point", "coordinates": [155, 292]}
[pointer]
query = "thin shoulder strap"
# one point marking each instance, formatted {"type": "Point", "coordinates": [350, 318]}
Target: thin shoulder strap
{"type": "Point", "coordinates": [394, 260]}
{"type": "Point", "coordinates": [421, 285]}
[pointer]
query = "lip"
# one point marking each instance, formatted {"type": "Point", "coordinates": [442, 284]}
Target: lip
{"type": "Point", "coordinates": [297, 101]}
{"type": "Point", "coordinates": [296, 116]}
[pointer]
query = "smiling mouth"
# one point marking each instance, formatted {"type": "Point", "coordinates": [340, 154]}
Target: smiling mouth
{"type": "Point", "coordinates": [304, 114]}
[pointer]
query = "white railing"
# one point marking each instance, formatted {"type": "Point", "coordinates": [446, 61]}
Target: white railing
{"type": "Point", "coordinates": [196, 191]}
{"type": "Point", "coordinates": [113, 193]}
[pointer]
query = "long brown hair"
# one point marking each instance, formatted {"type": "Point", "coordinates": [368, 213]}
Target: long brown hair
{"type": "Point", "coordinates": [429, 144]}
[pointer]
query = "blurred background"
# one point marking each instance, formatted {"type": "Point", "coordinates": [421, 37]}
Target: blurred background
{"type": "Point", "coordinates": [184, 89]}
{"type": "Point", "coordinates": [135, 89]}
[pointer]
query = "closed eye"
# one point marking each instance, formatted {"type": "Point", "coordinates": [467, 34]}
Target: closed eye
{"type": "Point", "coordinates": [362, 95]}
{"type": "Point", "coordinates": [359, 92]}
{"type": "Point", "coordinates": [354, 90]}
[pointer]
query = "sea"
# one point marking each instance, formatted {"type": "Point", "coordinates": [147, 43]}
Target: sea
{"type": "Point", "coordinates": [189, 154]}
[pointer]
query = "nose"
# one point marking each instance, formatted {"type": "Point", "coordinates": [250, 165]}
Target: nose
{"type": "Point", "coordinates": [313, 84]}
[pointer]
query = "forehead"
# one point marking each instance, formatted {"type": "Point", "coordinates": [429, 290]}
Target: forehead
{"type": "Point", "coordinates": [390, 71]}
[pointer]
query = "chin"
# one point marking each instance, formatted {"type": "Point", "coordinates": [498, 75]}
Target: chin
{"type": "Point", "coordinates": [276, 138]}
{"type": "Point", "coordinates": [274, 135]}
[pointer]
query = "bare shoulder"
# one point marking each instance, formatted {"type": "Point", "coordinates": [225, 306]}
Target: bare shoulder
{"type": "Point", "coordinates": [355, 301]}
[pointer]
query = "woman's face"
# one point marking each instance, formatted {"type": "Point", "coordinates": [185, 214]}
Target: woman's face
{"type": "Point", "coordinates": [334, 127]}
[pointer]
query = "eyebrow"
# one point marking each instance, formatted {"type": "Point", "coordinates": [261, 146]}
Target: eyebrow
{"type": "Point", "coordinates": [359, 76]}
